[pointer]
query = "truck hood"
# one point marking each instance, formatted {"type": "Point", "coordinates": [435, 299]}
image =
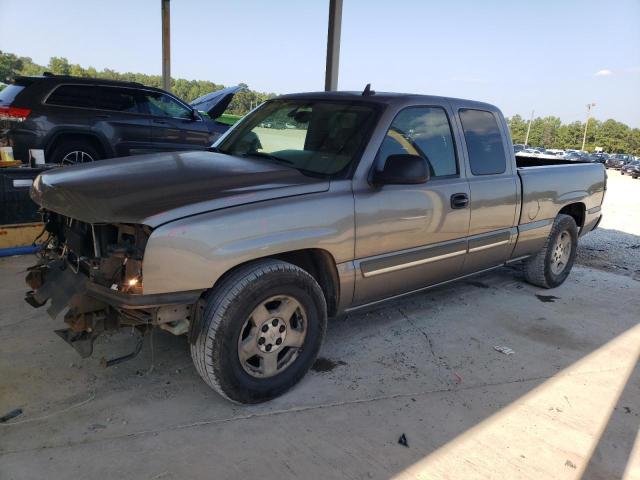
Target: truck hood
{"type": "Point", "coordinates": [159, 188]}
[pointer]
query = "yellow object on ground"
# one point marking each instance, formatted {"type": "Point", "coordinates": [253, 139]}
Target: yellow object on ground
{"type": "Point", "coordinates": [21, 235]}
{"type": "Point", "coordinates": [10, 163]}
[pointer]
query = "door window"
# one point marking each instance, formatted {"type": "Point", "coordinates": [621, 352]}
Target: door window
{"type": "Point", "coordinates": [73, 96]}
{"type": "Point", "coordinates": [484, 142]}
{"type": "Point", "coordinates": [423, 131]}
{"type": "Point", "coordinates": [117, 99]}
{"type": "Point", "coordinates": [162, 105]}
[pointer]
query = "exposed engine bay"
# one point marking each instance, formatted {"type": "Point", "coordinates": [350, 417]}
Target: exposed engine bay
{"type": "Point", "coordinates": [93, 272]}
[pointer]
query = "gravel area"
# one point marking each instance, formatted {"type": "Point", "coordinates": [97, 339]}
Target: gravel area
{"type": "Point", "coordinates": [615, 245]}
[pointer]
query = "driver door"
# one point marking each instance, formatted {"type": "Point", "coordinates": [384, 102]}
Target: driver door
{"type": "Point", "coordinates": [412, 236]}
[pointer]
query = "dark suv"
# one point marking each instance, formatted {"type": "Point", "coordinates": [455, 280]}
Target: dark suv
{"type": "Point", "coordinates": [84, 119]}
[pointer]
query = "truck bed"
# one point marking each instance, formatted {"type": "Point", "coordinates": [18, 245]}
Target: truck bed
{"type": "Point", "coordinates": [524, 161]}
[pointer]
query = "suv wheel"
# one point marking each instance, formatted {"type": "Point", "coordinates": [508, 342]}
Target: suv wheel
{"type": "Point", "coordinates": [74, 152]}
{"type": "Point", "coordinates": [261, 331]}
{"type": "Point", "coordinates": [550, 267]}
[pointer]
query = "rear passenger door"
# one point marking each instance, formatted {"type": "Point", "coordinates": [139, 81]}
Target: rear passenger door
{"type": "Point", "coordinates": [120, 116]}
{"type": "Point", "coordinates": [173, 125]}
{"type": "Point", "coordinates": [493, 185]}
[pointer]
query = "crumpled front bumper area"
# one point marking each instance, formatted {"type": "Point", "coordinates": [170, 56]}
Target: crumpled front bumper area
{"type": "Point", "coordinates": [92, 309]}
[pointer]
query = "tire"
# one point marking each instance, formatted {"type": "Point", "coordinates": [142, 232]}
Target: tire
{"type": "Point", "coordinates": [230, 314]}
{"type": "Point", "coordinates": [63, 154]}
{"type": "Point", "coordinates": [542, 270]}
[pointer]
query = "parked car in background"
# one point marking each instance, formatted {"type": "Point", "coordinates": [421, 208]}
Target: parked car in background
{"type": "Point", "coordinates": [518, 147]}
{"type": "Point", "coordinates": [630, 168]}
{"type": "Point", "coordinates": [600, 157]}
{"type": "Point", "coordinates": [249, 248]}
{"type": "Point", "coordinates": [77, 120]}
{"type": "Point", "coordinates": [576, 156]}
{"type": "Point", "coordinates": [618, 160]}
{"type": "Point", "coordinates": [555, 151]}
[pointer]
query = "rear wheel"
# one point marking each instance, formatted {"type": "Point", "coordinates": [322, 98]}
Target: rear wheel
{"type": "Point", "coordinates": [261, 331]}
{"type": "Point", "coordinates": [550, 267]}
{"type": "Point", "coordinates": [73, 152]}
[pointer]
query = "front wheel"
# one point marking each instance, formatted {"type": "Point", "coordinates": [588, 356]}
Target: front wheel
{"type": "Point", "coordinates": [74, 152]}
{"type": "Point", "coordinates": [550, 267]}
{"type": "Point", "coordinates": [261, 331]}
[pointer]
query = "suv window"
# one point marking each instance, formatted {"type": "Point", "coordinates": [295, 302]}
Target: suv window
{"type": "Point", "coordinates": [162, 105]}
{"type": "Point", "coordinates": [484, 142]}
{"type": "Point", "coordinates": [117, 99]}
{"type": "Point", "coordinates": [423, 131]}
{"type": "Point", "coordinates": [9, 93]}
{"type": "Point", "coordinates": [73, 96]}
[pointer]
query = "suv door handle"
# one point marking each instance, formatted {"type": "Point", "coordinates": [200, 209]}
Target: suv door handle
{"type": "Point", "coordinates": [161, 122]}
{"type": "Point", "coordinates": [459, 200]}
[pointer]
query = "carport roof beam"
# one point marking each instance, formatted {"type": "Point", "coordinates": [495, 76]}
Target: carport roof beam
{"type": "Point", "coordinates": [333, 45]}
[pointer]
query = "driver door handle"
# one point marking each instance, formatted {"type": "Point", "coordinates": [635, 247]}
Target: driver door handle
{"type": "Point", "coordinates": [459, 200]}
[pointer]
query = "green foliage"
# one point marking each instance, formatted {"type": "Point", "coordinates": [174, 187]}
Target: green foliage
{"type": "Point", "coordinates": [550, 132]}
{"type": "Point", "coordinates": [228, 118]}
{"type": "Point", "coordinates": [10, 65]}
{"type": "Point", "coordinates": [188, 90]}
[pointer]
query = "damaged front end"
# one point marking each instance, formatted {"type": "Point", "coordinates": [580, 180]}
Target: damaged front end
{"type": "Point", "coordinates": [93, 272]}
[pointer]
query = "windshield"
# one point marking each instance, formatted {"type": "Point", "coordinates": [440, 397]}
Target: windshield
{"type": "Point", "coordinates": [314, 136]}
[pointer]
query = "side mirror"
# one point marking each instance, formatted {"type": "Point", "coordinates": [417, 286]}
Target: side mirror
{"type": "Point", "coordinates": [195, 116]}
{"type": "Point", "coordinates": [402, 169]}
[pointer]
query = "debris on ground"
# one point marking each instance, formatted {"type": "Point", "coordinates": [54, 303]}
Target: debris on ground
{"type": "Point", "coordinates": [458, 378]}
{"type": "Point", "coordinates": [325, 364]}
{"type": "Point", "coordinates": [9, 415]}
{"type": "Point", "coordinates": [403, 441]}
{"type": "Point", "coordinates": [547, 298]}
{"type": "Point", "coordinates": [503, 349]}
{"type": "Point", "coordinates": [570, 464]}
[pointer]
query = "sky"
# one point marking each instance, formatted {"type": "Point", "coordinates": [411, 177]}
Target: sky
{"type": "Point", "coordinates": [551, 56]}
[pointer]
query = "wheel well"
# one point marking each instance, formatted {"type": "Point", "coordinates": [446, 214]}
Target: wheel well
{"type": "Point", "coordinates": [575, 210]}
{"type": "Point", "coordinates": [69, 137]}
{"type": "Point", "coordinates": [316, 262]}
{"type": "Point", "coordinates": [321, 266]}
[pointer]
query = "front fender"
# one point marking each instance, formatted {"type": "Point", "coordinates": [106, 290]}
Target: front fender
{"type": "Point", "coordinates": [194, 252]}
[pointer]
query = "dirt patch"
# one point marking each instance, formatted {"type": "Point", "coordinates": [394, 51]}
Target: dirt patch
{"type": "Point", "coordinates": [475, 283]}
{"type": "Point", "coordinates": [547, 298]}
{"type": "Point", "coordinates": [325, 364]}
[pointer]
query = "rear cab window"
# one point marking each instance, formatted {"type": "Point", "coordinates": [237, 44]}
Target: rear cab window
{"type": "Point", "coordinates": [484, 142]}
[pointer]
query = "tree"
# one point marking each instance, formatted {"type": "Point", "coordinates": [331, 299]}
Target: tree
{"type": "Point", "coordinates": [10, 66]}
{"type": "Point", "coordinates": [59, 66]}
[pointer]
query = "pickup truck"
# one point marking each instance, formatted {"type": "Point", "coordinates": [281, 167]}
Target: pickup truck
{"type": "Point", "coordinates": [248, 248]}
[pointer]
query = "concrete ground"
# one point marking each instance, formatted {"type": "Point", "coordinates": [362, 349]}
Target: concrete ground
{"type": "Point", "coordinates": [566, 404]}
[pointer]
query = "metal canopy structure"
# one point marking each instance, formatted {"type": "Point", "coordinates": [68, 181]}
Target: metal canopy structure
{"type": "Point", "coordinates": [333, 45]}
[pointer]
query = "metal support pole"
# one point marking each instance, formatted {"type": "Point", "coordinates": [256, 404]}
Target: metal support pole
{"type": "Point", "coordinates": [333, 45]}
{"type": "Point", "coordinates": [586, 124]}
{"type": "Point", "coordinates": [166, 45]}
{"type": "Point", "coordinates": [526, 140]}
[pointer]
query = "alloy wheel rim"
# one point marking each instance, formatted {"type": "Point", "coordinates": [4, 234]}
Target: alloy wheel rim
{"type": "Point", "coordinates": [75, 157]}
{"type": "Point", "coordinates": [561, 253]}
{"type": "Point", "coordinates": [272, 337]}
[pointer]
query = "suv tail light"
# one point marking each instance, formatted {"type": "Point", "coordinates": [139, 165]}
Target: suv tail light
{"type": "Point", "coordinates": [13, 113]}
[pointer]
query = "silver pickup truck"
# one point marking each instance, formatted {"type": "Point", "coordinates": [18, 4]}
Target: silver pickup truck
{"type": "Point", "coordinates": [311, 206]}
